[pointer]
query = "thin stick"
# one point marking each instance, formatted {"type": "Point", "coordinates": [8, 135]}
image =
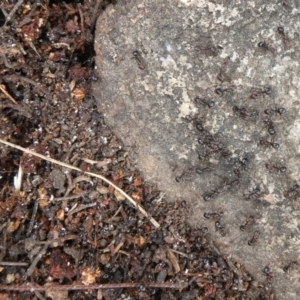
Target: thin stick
{"type": "Point", "coordinates": [81, 22]}
{"type": "Point", "coordinates": [180, 253]}
{"type": "Point", "coordinates": [12, 12]}
{"type": "Point", "coordinates": [76, 287]}
{"type": "Point", "coordinates": [81, 207]}
{"type": "Point", "coordinates": [118, 247]}
{"type": "Point", "coordinates": [37, 259]}
{"type": "Point", "coordinates": [13, 264]}
{"type": "Point", "coordinates": [139, 207]}
{"type": "Point", "coordinates": [68, 197]}
{"type": "Point", "coordinates": [3, 89]}
{"type": "Point", "coordinates": [31, 223]}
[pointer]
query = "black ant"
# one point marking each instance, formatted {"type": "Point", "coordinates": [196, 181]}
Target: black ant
{"type": "Point", "coordinates": [254, 194]}
{"type": "Point", "coordinates": [214, 215]}
{"type": "Point", "coordinates": [275, 168]}
{"type": "Point", "coordinates": [244, 114]}
{"type": "Point", "coordinates": [140, 61]}
{"type": "Point", "coordinates": [186, 173]}
{"type": "Point", "coordinates": [197, 119]}
{"type": "Point", "coordinates": [263, 45]}
{"type": "Point", "coordinates": [285, 39]}
{"type": "Point", "coordinates": [204, 230]}
{"type": "Point", "coordinates": [292, 191]}
{"type": "Point", "coordinates": [249, 221]}
{"type": "Point", "coordinates": [271, 111]}
{"type": "Point", "coordinates": [211, 195]}
{"type": "Point", "coordinates": [269, 275]}
{"type": "Point", "coordinates": [209, 104]}
{"type": "Point", "coordinates": [244, 162]}
{"type": "Point", "coordinates": [257, 94]}
{"type": "Point", "coordinates": [187, 118]}
{"type": "Point", "coordinates": [202, 170]}
{"type": "Point", "coordinates": [292, 265]}
{"type": "Point", "coordinates": [220, 228]}
{"type": "Point", "coordinates": [200, 128]}
{"type": "Point", "coordinates": [269, 144]}
{"type": "Point", "coordinates": [237, 173]}
{"type": "Point", "coordinates": [254, 238]}
{"type": "Point", "coordinates": [224, 152]}
{"type": "Point", "coordinates": [220, 91]}
{"type": "Point", "coordinates": [210, 142]}
{"type": "Point", "coordinates": [211, 49]}
{"type": "Point", "coordinates": [222, 76]}
{"type": "Point", "coordinates": [230, 183]}
{"type": "Point", "coordinates": [270, 125]}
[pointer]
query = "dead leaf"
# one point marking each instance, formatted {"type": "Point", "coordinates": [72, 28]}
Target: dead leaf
{"type": "Point", "coordinates": [173, 259]}
{"type": "Point", "coordinates": [89, 276]}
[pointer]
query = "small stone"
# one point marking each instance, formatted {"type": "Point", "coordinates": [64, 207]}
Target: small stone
{"type": "Point", "coordinates": [119, 196]}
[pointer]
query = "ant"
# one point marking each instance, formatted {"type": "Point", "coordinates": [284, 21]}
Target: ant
{"type": "Point", "coordinates": [209, 104]}
{"type": "Point", "coordinates": [204, 230]}
{"type": "Point", "coordinates": [202, 156]}
{"type": "Point", "coordinates": [285, 39]}
{"type": "Point", "coordinates": [187, 118]}
{"type": "Point", "coordinates": [254, 238]}
{"type": "Point", "coordinates": [211, 49]}
{"type": "Point", "coordinates": [202, 170]}
{"type": "Point", "coordinates": [230, 184]}
{"type": "Point", "coordinates": [210, 142]}
{"type": "Point", "coordinates": [243, 113]}
{"type": "Point", "coordinates": [269, 144]}
{"type": "Point", "coordinates": [197, 119]}
{"type": "Point", "coordinates": [292, 265]}
{"type": "Point", "coordinates": [224, 153]}
{"type": "Point", "coordinates": [214, 215]}
{"type": "Point", "coordinates": [268, 274]}
{"type": "Point", "coordinates": [220, 228]}
{"type": "Point", "coordinates": [140, 61]}
{"type": "Point", "coordinates": [249, 221]}
{"type": "Point", "coordinates": [263, 45]}
{"type": "Point", "coordinates": [200, 128]}
{"type": "Point", "coordinates": [209, 196]}
{"type": "Point", "coordinates": [271, 111]}
{"type": "Point", "coordinates": [186, 173]}
{"type": "Point", "coordinates": [292, 191]}
{"type": "Point", "coordinates": [222, 76]}
{"type": "Point", "coordinates": [270, 126]}
{"type": "Point", "coordinates": [244, 162]}
{"type": "Point", "coordinates": [256, 94]}
{"type": "Point", "coordinates": [254, 194]}
{"type": "Point", "coordinates": [220, 91]}
{"type": "Point", "coordinates": [237, 173]}
{"type": "Point", "coordinates": [275, 168]}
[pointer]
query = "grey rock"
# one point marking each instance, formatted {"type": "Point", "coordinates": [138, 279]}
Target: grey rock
{"type": "Point", "coordinates": [188, 49]}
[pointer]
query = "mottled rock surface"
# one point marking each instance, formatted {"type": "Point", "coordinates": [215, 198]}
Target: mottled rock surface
{"type": "Point", "coordinates": [188, 49]}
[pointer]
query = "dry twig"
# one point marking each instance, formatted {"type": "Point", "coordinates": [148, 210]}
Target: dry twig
{"type": "Point", "coordinates": [13, 11]}
{"type": "Point", "coordinates": [3, 89]}
{"type": "Point", "coordinates": [76, 287]}
{"type": "Point", "coordinates": [13, 264]}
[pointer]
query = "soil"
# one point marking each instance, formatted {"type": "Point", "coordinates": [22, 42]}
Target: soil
{"type": "Point", "coordinates": [69, 235]}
